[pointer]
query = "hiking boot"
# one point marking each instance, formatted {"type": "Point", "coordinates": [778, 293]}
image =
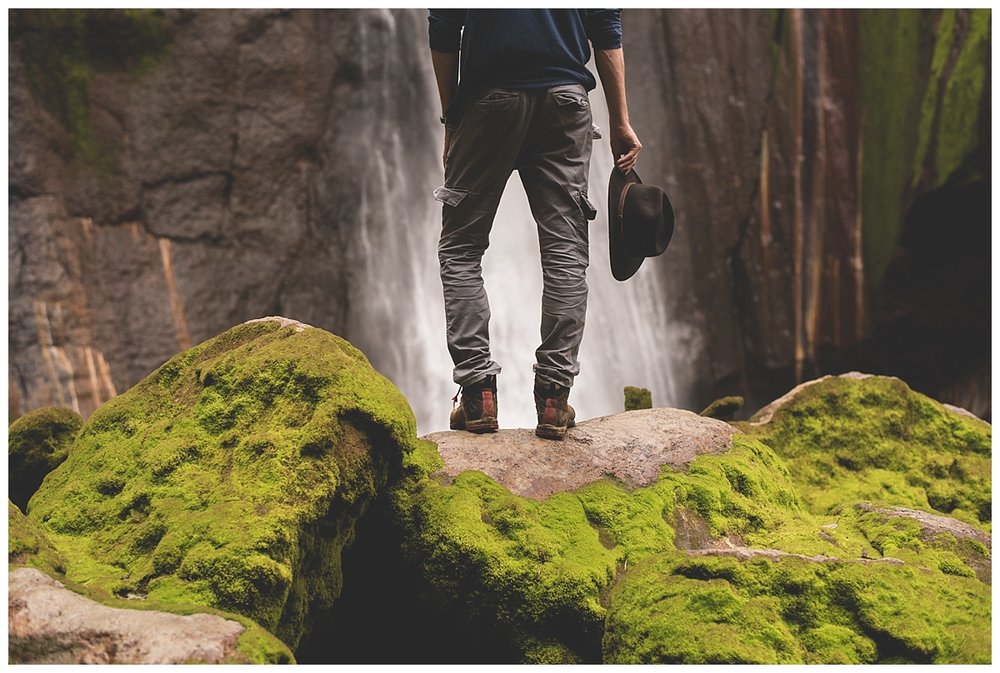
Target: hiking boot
{"type": "Point", "coordinates": [478, 410]}
{"type": "Point", "coordinates": [555, 415]}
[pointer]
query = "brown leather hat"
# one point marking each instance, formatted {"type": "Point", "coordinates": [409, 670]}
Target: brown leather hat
{"type": "Point", "coordinates": [640, 222]}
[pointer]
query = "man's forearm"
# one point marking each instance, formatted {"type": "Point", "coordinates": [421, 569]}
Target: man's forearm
{"type": "Point", "coordinates": [446, 74]}
{"type": "Point", "coordinates": [611, 69]}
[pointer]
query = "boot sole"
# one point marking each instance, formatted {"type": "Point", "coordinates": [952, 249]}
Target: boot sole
{"type": "Point", "coordinates": [482, 425]}
{"type": "Point", "coordinates": [546, 431]}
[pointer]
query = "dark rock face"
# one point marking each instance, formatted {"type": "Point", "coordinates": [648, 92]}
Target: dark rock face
{"type": "Point", "coordinates": [802, 150]}
{"type": "Point", "coordinates": [232, 164]}
{"type": "Point", "coordinates": [225, 179]}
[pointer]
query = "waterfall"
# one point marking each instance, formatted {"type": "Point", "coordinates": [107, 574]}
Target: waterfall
{"type": "Point", "coordinates": [399, 314]}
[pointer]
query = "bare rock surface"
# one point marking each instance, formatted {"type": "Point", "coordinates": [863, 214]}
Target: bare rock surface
{"type": "Point", "coordinates": [631, 446]}
{"type": "Point", "coordinates": [747, 553]}
{"type": "Point", "coordinates": [933, 523]}
{"type": "Point", "coordinates": [48, 623]}
{"type": "Point", "coordinates": [284, 322]}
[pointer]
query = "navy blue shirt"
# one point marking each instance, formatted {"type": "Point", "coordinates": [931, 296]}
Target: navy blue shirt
{"type": "Point", "coordinates": [523, 48]}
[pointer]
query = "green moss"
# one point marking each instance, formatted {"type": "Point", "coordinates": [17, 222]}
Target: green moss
{"type": "Point", "coordinates": [37, 443]}
{"type": "Point", "coordinates": [724, 408]}
{"type": "Point", "coordinates": [875, 440]}
{"type": "Point", "coordinates": [638, 398]}
{"type": "Point", "coordinates": [536, 571]}
{"type": "Point", "coordinates": [908, 139]}
{"type": "Point", "coordinates": [27, 545]}
{"type": "Point", "coordinates": [544, 579]}
{"type": "Point", "coordinates": [957, 128]}
{"type": "Point", "coordinates": [63, 49]}
{"type": "Point", "coordinates": [893, 80]}
{"type": "Point", "coordinates": [671, 608]}
{"type": "Point", "coordinates": [231, 477]}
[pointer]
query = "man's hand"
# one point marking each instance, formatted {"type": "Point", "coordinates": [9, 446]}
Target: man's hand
{"type": "Point", "coordinates": [625, 144]}
{"type": "Point", "coordinates": [625, 147]}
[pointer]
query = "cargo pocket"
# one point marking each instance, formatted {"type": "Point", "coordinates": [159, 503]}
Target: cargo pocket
{"type": "Point", "coordinates": [450, 197]}
{"type": "Point", "coordinates": [572, 100]}
{"type": "Point", "coordinates": [587, 207]}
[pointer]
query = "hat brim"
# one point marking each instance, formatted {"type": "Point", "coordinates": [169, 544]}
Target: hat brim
{"type": "Point", "coordinates": [623, 265]}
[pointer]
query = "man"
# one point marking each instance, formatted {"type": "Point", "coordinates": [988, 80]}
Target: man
{"type": "Point", "coordinates": [521, 104]}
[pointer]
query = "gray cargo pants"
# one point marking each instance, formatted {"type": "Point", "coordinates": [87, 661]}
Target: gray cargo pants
{"type": "Point", "coordinates": [544, 134]}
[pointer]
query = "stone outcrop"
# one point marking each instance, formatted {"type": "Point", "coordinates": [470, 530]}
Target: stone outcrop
{"type": "Point", "coordinates": [189, 170]}
{"type": "Point", "coordinates": [810, 156]}
{"type": "Point", "coordinates": [631, 447]}
{"type": "Point", "coordinates": [48, 623]}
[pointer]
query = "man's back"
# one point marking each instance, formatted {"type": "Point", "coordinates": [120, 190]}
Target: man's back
{"type": "Point", "coordinates": [523, 48]}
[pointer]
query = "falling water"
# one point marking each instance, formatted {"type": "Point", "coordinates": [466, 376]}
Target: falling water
{"type": "Point", "coordinates": [399, 319]}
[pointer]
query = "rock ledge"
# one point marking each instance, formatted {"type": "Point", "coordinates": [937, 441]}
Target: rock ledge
{"type": "Point", "coordinates": [630, 446]}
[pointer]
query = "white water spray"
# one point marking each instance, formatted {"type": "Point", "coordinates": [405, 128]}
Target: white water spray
{"type": "Point", "coordinates": [627, 340]}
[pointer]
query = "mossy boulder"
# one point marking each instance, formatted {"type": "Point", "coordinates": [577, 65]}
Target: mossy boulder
{"type": "Point", "coordinates": [860, 438]}
{"type": "Point", "coordinates": [530, 577]}
{"type": "Point", "coordinates": [231, 477]}
{"type": "Point", "coordinates": [721, 555]}
{"type": "Point", "coordinates": [37, 443]}
{"type": "Point", "coordinates": [777, 609]}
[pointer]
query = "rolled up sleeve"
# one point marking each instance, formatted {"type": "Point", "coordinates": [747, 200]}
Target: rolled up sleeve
{"type": "Point", "coordinates": [604, 28]}
{"type": "Point", "coordinates": [445, 29]}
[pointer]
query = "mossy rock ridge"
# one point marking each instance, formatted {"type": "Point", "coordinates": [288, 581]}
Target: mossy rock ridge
{"type": "Point", "coordinates": [862, 438]}
{"type": "Point", "coordinates": [42, 636]}
{"type": "Point", "coordinates": [783, 609]}
{"type": "Point", "coordinates": [231, 477]}
{"type": "Point", "coordinates": [722, 556]}
{"type": "Point", "coordinates": [37, 443]}
{"type": "Point", "coordinates": [527, 579]}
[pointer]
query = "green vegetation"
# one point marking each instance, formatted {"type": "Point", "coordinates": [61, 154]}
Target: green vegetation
{"type": "Point", "coordinates": [553, 578]}
{"type": "Point", "coordinates": [910, 143]}
{"type": "Point", "coordinates": [723, 408]}
{"type": "Point", "coordinates": [957, 132]}
{"type": "Point", "coordinates": [671, 608]}
{"type": "Point", "coordinates": [62, 50]}
{"type": "Point", "coordinates": [875, 440]}
{"type": "Point", "coordinates": [638, 398]}
{"type": "Point", "coordinates": [539, 571]}
{"type": "Point", "coordinates": [29, 546]}
{"type": "Point", "coordinates": [231, 477]}
{"type": "Point", "coordinates": [37, 443]}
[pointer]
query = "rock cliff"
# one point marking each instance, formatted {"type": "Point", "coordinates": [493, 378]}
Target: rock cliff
{"type": "Point", "coordinates": [176, 172]}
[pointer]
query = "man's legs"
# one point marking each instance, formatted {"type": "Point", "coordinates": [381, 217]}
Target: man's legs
{"type": "Point", "coordinates": [554, 169]}
{"type": "Point", "coordinates": [481, 157]}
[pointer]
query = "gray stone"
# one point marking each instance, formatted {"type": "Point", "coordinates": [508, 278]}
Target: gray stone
{"type": "Point", "coordinates": [48, 623]}
{"type": "Point", "coordinates": [630, 446]}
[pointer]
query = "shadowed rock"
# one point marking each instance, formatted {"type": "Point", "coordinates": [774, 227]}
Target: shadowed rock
{"type": "Point", "coordinates": [631, 447]}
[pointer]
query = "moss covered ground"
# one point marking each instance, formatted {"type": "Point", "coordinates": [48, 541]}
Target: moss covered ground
{"type": "Point", "coordinates": [604, 573]}
{"type": "Point", "coordinates": [37, 443]}
{"type": "Point", "coordinates": [876, 440]}
{"type": "Point", "coordinates": [29, 546]}
{"type": "Point", "coordinates": [675, 609]}
{"type": "Point", "coordinates": [231, 477]}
